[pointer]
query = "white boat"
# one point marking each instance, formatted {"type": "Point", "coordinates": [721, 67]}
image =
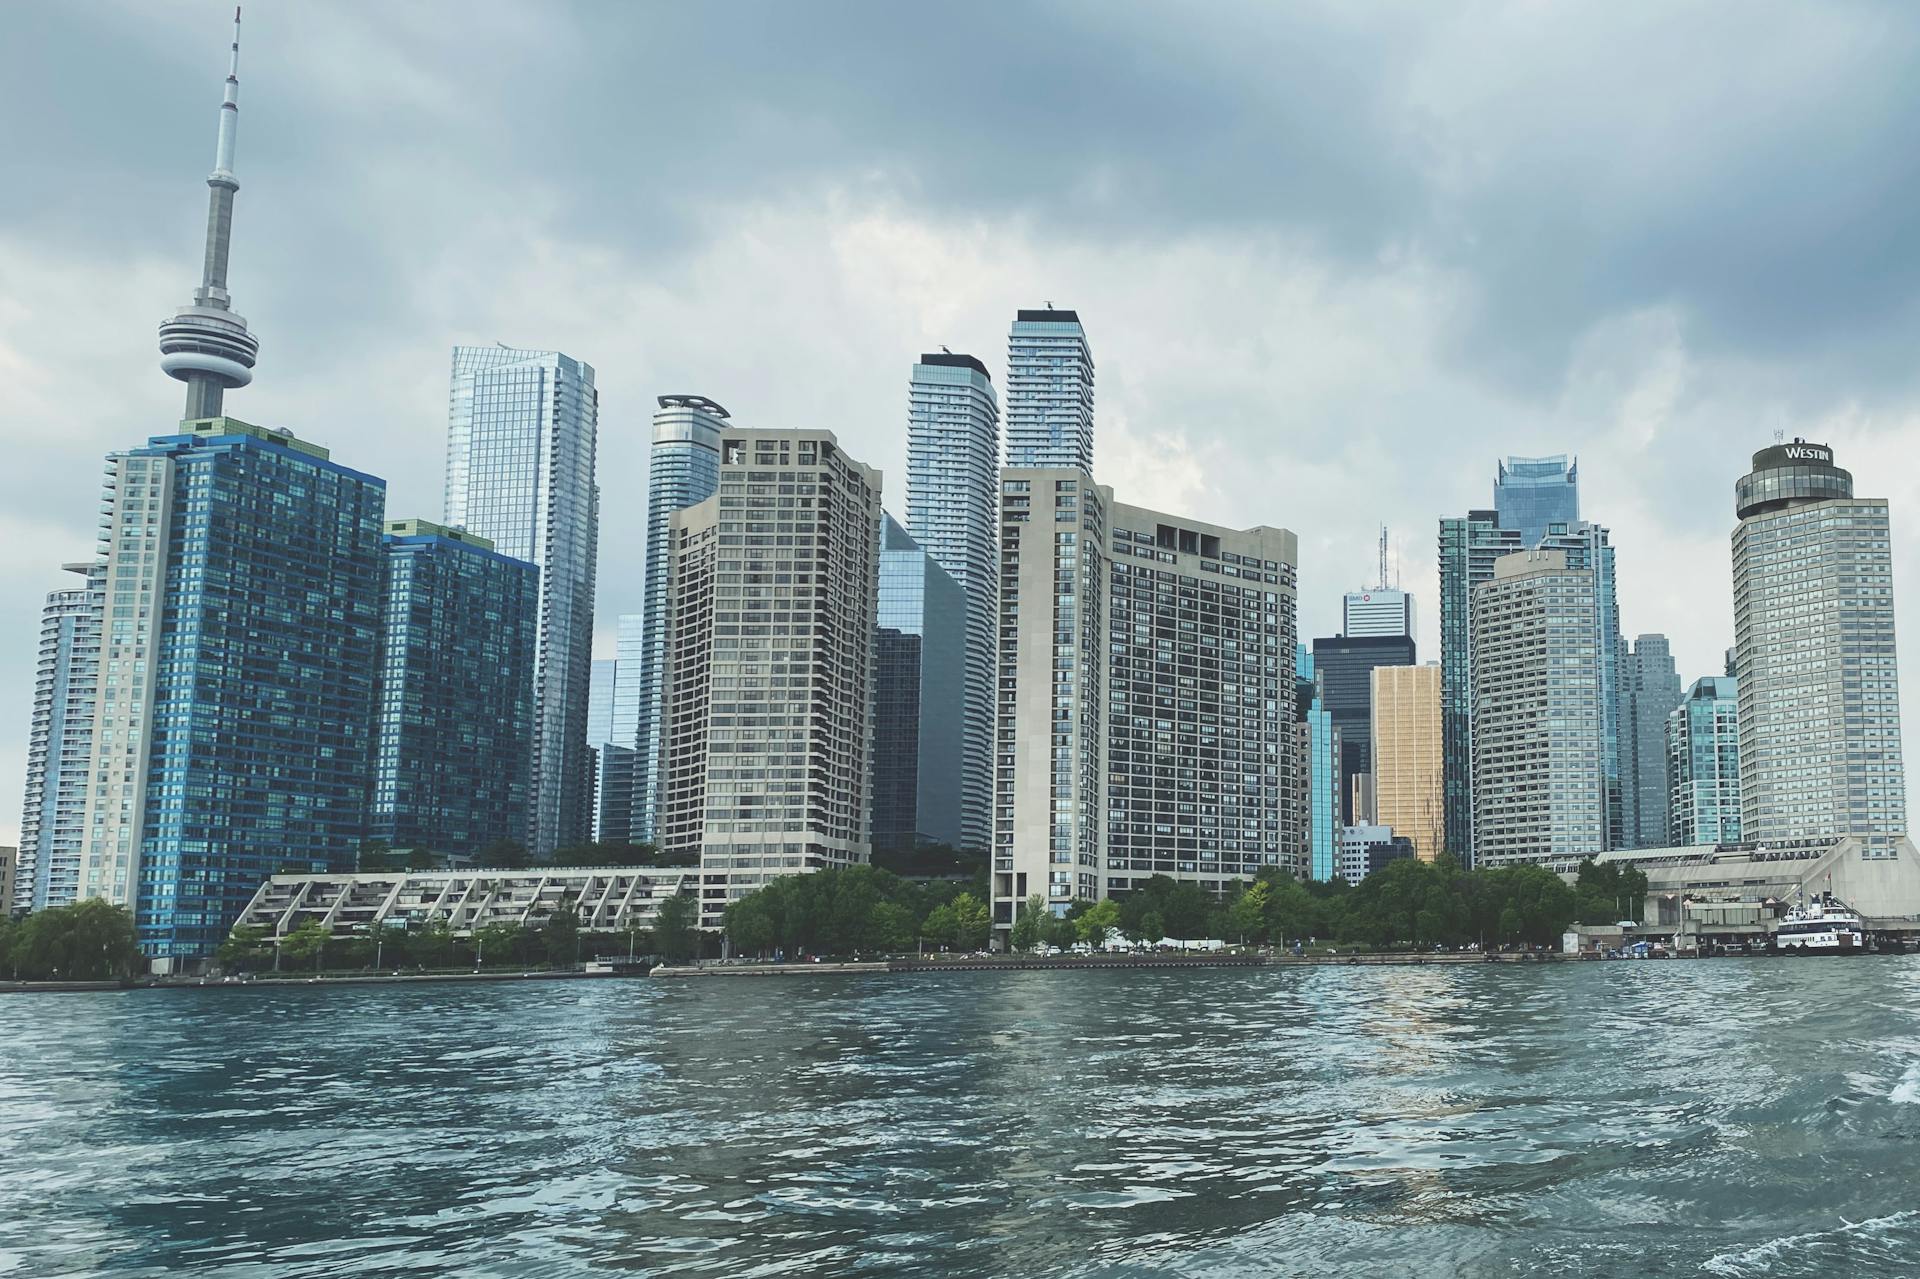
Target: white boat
{"type": "Point", "coordinates": [1823, 925]}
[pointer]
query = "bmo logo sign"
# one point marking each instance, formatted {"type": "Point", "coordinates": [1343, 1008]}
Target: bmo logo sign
{"type": "Point", "coordinates": [1808, 453]}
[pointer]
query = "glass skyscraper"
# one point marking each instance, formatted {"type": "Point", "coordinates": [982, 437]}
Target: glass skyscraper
{"type": "Point", "coordinates": [600, 701]}
{"type": "Point", "coordinates": [1703, 764]}
{"type": "Point", "coordinates": [683, 470]}
{"type": "Point", "coordinates": [1049, 391]}
{"type": "Point", "coordinates": [1531, 493]}
{"type": "Point", "coordinates": [1322, 769]}
{"type": "Point", "coordinates": [1469, 545]}
{"type": "Point", "coordinates": [1649, 690]}
{"type": "Point", "coordinates": [919, 710]}
{"type": "Point", "coordinates": [454, 724]}
{"type": "Point", "coordinates": [1819, 683]}
{"type": "Point", "coordinates": [1589, 546]}
{"type": "Point", "coordinates": [234, 728]}
{"type": "Point", "coordinates": [1344, 666]}
{"type": "Point", "coordinates": [60, 745]}
{"type": "Point", "coordinates": [953, 458]}
{"type": "Point", "coordinates": [522, 429]}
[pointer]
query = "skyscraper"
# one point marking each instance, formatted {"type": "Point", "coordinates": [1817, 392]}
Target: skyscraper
{"type": "Point", "coordinates": [1049, 391]}
{"type": "Point", "coordinates": [1540, 787]}
{"type": "Point", "coordinates": [683, 469]}
{"type": "Point", "coordinates": [521, 435]}
{"type": "Point", "coordinates": [1344, 666]}
{"type": "Point", "coordinates": [1649, 691]}
{"type": "Point", "coordinates": [600, 701]}
{"type": "Point", "coordinates": [1531, 493]}
{"type": "Point", "coordinates": [768, 726]}
{"type": "Point", "coordinates": [454, 725]}
{"type": "Point", "coordinates": [1319, 779]}
{"type": "Point", "coordinates": [1379, 611]}
{"type": "Point", "coordinates": [1408, 794]}
{"type": "Point", "coordinates": [1819, 684]}
{"type": "Point", "coordinates": [234, 726]}
{"type": "Point", "coordinates": [1703, 763]}
{"type": "Point", "coordinates": [919, 712]}
{"type": "Point", "coordinates": [60, 745]}
{"type": "Point", "coordinates": [953, 460]}
{"type": "Point", "coordinates": [1146, 720]}
{"type": "Point", "coordinates": [1590, 546]}
{"type": "Point", "coordinates": [1469, 545]}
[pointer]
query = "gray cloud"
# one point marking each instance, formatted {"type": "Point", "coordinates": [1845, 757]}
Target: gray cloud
{"type": "Point", "coordinates": [1333, 261]}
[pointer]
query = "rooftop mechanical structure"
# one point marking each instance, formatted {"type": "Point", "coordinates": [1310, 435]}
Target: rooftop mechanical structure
{"type": "Point", "coordinates": [205, 344]}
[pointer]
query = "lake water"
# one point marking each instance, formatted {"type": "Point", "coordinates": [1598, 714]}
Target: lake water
{"type": "Point", "coordinates": [1727, 1118]}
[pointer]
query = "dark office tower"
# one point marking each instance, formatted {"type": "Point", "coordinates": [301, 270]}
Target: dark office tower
{"type": "Point", "coordinates": [1649, 692]}
{"type": "Point", "coordinates": [919, 710]}
{"type": "Point", "coordinates": [1344, 666]}
{"type": "Point", "coordinates": [454, 694]}
{"type": "Point", "coordinates": [1532, 493]}
{"type": "Point", "coordinates": [1468, 547]}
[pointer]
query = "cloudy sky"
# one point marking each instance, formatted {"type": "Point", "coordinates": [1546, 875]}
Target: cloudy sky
{"type": "Point", "coordinates": [1333, 259]}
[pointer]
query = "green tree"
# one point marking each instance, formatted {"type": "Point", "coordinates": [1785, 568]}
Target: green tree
{"type": "Point", "coordinates": [499, 945]}
{"type": "Point", "coordinates": [973, 925]}
{"type": "Point", "coordinates": [1247, 915]}
{"type": "Point", "coordinates": [1058, 930]}
{"type": "Point", "coordinates": [246, 947]}
{"type": "Point", "coordinates": [1026, 923]}
{"type": "Point", "coordinates": [376, 855]}
{"type": "Point", "coordinates": [561, 933]}
{"type": "Point", "coordinates": [890, 928]}
{"type": "Point", "coordinates": [432, 946]}
{"type": "Point", "coordinates": [505, 854]}
{"type": "Point", "coordinates": [307, 941]}
{"type": "Point", "coordinates": [87, 941]}
{"type": "Point", "coordinates": [673, 927]}
{"type": "Point", "coordinates": [749, 925]}
{"type": "Point", "coordinates": [1153, 929]}
{"type": "Point", "coordinates": [1098, 922]}
{"type": "Point", "coordinates": [941, 927]}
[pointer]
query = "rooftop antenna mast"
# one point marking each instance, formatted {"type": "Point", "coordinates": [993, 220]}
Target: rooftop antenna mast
{"type": "Point", "coordinates": [1383, 558]}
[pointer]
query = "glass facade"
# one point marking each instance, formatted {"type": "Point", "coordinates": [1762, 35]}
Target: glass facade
{"type": "Point", "coordinates": [1588, 546]}
{"type": "Point", "coordinates": [1049, 391]}
{"type": "Point", "coordinates": [454, 698]}
{"type": "Point", "coordinates": [522, 431]}
{"type": "Point", "coordinates": [1469, 545]}
{"type": "Point", "coordinates": [1322, 773]}
{"type": "Point", "coordinates": [683, 469]}
{"type": "Point", "coordinates": [953, 459]}
{"type": "Point", "coordinates": [919, 711]}
{"type": "Point", "coordinates": [1649, 691]}
{"type": "Point", "coordinates": [60, 746]}
{"type": "Point", "coordinates": [600, 701]}
{"type": "Point", "coordinates": [1703, 764]}
{"type": "Point", "coordinates": [1344, 666]}
{"type": "Point", "coordinates": [1819, 685]}
{"type": "Point", "coordinates": [1531, 493]}
{"type": "Point", "coordinates": [234, 728]}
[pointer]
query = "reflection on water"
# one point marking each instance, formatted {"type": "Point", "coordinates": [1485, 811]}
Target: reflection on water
{"type": "Point", "coordinates": [1738, 1117]}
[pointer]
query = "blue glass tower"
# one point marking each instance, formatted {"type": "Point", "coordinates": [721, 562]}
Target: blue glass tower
{"type": "Point", "coordinates": [234, 728]}
{"type": "Point", "coordinates": [522, 428]}
{"type": "Point", "coordinates": [455, 691]}
{"type": "Point", "coordinates": [683, 469]}
{"type": "Point", "coordinates": [919, 712]}
{"type": "Point", "coordinates": [1323, 774]}
{"type": "Point", "coordinates": [1049, 391]}
{"type": "Point", "coordinates": [953, 460]}
{"type": "Point", "coordinates": [1531, 493]}
{"type": "Point", "coordinates": [1703, 763]}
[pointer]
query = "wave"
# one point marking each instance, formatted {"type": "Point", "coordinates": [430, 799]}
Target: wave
{"type": "Point", "coordinates": [1822, 1252]}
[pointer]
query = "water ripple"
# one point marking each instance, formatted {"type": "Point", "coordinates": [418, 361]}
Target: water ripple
{"type": "Point", "coordinates": [1730, 1118]}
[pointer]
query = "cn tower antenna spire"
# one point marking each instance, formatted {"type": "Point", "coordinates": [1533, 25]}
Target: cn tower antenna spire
{"type": "Point", "coordinates": [206, 345]}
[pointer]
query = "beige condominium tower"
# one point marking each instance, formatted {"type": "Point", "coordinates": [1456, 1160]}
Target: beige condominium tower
{"type": "Point", "coordinates": [1145, 697]}
{"type": "Point", "coordinates": [769, 707]}
{"type": "Point", "coordinates": [1408, 759]}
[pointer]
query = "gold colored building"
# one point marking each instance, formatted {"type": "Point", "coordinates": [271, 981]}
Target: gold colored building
{"type": "Point", "coordinates": [1408, 762]}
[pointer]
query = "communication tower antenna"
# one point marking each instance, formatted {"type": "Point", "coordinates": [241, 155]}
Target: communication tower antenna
{"type": "Point", "coordinates": [1779, 434]}
{"type": "Point", "coordinates": [1383, 557]}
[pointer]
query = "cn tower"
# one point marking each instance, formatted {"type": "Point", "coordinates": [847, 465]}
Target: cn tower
{"type": "Point", "coordinates": [205, 344]}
